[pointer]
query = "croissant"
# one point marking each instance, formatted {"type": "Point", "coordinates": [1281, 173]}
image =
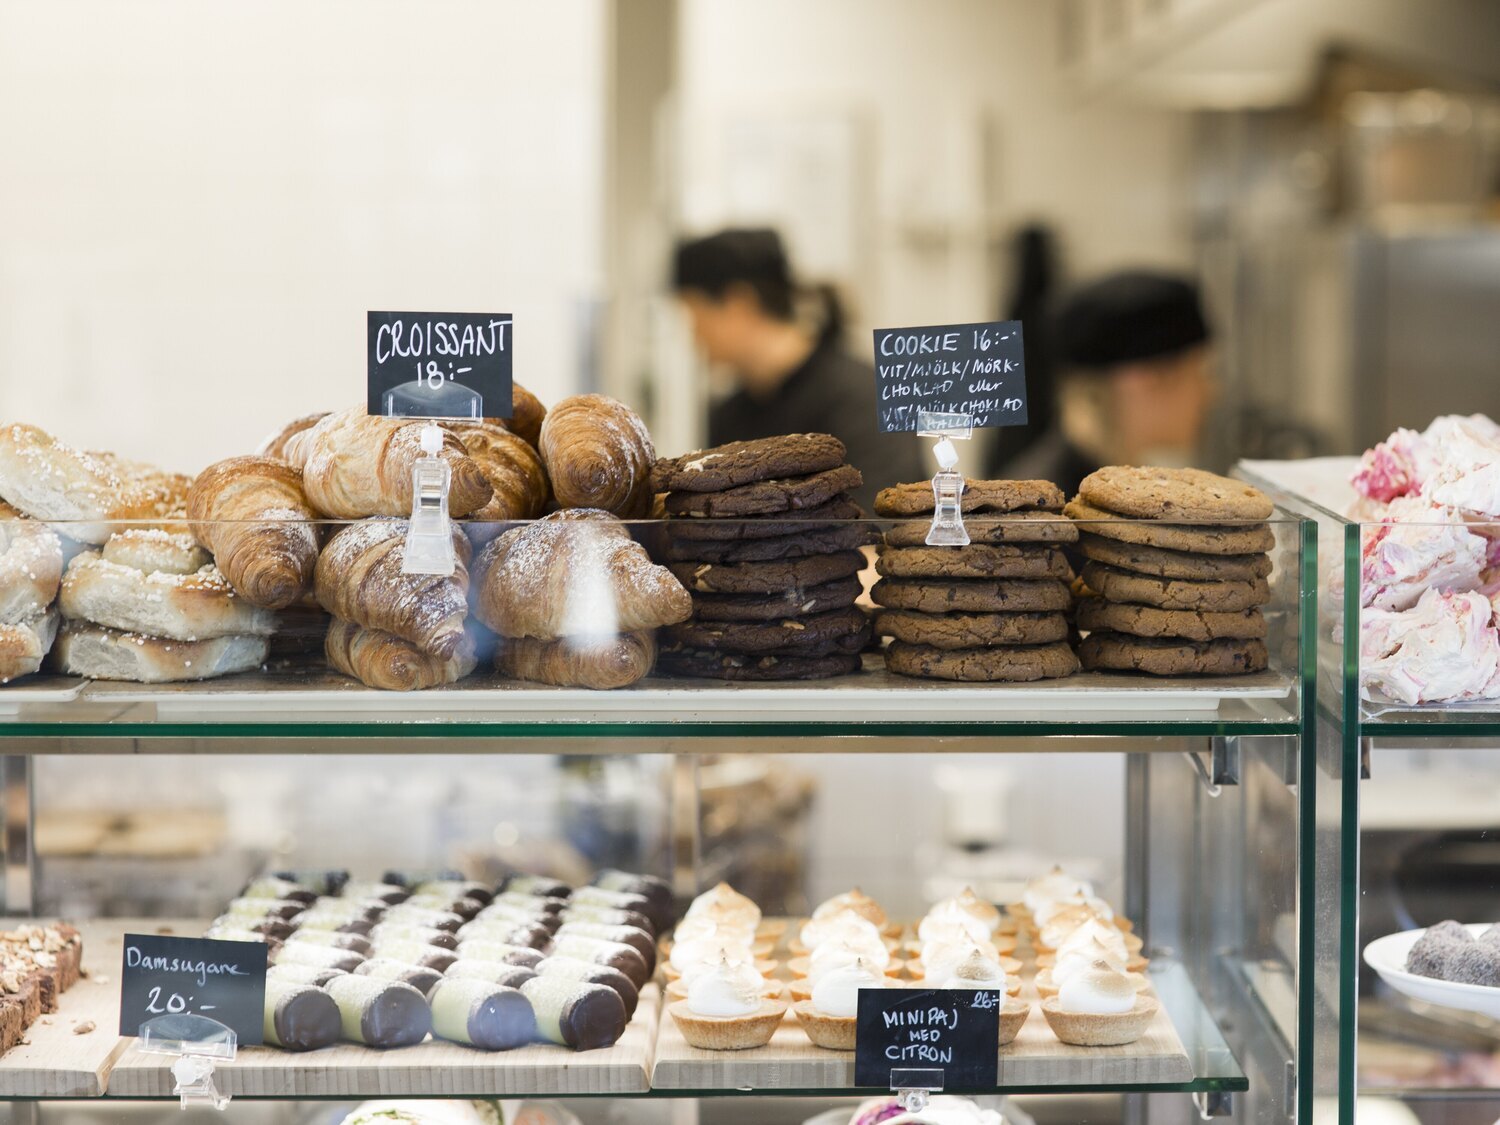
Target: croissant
{"type": "Point", "coordinates": [358, 578]}
{"type": "Point", "coordinates": [513, 468]}
{"type": "Point", "coordinates": [599, 455]}
{"type": "Point", "coordinates": [356, 465]}
{"type": "Point", "coordinates": [526, 415]}
{"type": "Point", "coordinates": [94, 492]}
{"type": "Point", "coordinates": [382, 660]}
{"type": "Point", "coordinates": [574, 573]}
{"type": "Point", "coordinates": [613, 662]}
{"type": "Point", "coordinates": [251, 513]}
{"type": "Point", "coordinates": [278, 443]}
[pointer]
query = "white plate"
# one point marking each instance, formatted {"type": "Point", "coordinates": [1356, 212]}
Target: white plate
{"type": "Point", "coordinates": [1387, 956]}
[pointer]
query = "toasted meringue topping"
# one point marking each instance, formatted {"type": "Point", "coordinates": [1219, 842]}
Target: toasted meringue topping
{"type": "Point", "coordinates": [837, 991]}
{"type": "Point", "coordinates": [952, 927]}
{"type": "Point", "coordinates": [1071, 962]}
{"type": "Point", "coordinates": [846, 924]}
{"type": "Point", "coordinates": [726, 990]}
{"type": "Point", "coordinates": [1073, 905]}
{"type": "Point", "coordinates": [1097, 991]}
{"type": "Point", "coordinates": [708, 950]}
{"type": "Point", "coordinates": [708, 925]}
{"type": "Point", "coordinates": [939, 962]}
{"type": "Point", "coordinates": [1056, 884]}
{"type": "Point", "coordinates": [1107, 936]}
{"type": "Point", "coordinates": [845, 951]}
{"type": "Point", "coordinates": [855, 900]}
{"type": "Point", "coordinates": [726, 900]}
{"type": "Point", "coordinates": [977, 971]}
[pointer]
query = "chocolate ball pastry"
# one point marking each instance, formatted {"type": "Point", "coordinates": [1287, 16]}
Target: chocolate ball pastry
{"type": "Point", "coordinates": [540, 904]}
{"type": "Point", "coordinates": [506, 913]}
{"type": "Point", "coordinates": [402, 931]}
{"type": "Point", "coordinates": [275, 928]}
{"type": "Point", "coordinates": [380, 1013]}
{"type": "Point", "coordinates": [540, 885]}
{"type": "Point", "coordinates": [495, 972]}
{"type": "Point", "coordinates": [415, 952]}
{"type": "Point", "coordinates": [409, 915]}
{"type": "Point", "coordinates": [284, 908]}
{"type": "Point", "coordinates": [274, 888]}
{"type": "Point", "coordinates": [621, 900]}
{"type": "Point", "coordinates": [658, 891]}
{"type": "Point", "coordinates": [299, 1017]}
{"type": "Point", "coordinates": [383, 968]}
{"type": "Point", "coordinates": [574, 1014]}
{"type": "Point", "coordinates": [465, 908]}
{"type": "Point", "coordinates": [616, 955]}
{"type": "Point", "coordinates": [334, 939]}
{"type": "Point", "coordinates": [455, 888]}
{"type": "Point", "coordinates": [489, 1016]}
{"type": "Point", "coordinates": [388, 893]}
{"type": "Point", "coordinates": [570, 968]}
{"type": "Point", "coordinates": [608, 916]}
{"type": "Point", "coordinates": [302, 974]}
{"type": "Point", "coordinates": [319, 956]}
{"type": "Point", "coordinates": [483, 949]}
{"type": "Point", "coordinates": [503, 929]}
{"type": "Point", "coordinates": [639, 940]}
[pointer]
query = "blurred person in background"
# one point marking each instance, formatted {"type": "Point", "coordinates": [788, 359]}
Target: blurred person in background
{"type": "Point", "coordinates": [782, 346]}
{"type": "Point", "coordinates": [1034, 262]}
{"type": "Point", "coordinates": [1136, 350]}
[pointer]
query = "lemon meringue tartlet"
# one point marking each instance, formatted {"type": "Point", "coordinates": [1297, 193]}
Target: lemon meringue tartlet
{"type": "Point", "coordinates": [1099, 1008]}
{"type": "Point", "coordinates": [830, 1016]}
{"type": "Point", "coordinates": [726, 1010]}
{"type": "Point", "coordinates": [861, 904]}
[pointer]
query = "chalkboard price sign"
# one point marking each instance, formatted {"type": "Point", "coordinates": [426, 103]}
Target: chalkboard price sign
{"type": "Point", "coordinates": [954, 1031]}
{"type": "Point", "coordinates": [439, 365]}
{"type": "Point", "coordinates": [973, 369]}
{"type": "Point", "coordinates": [223, 980]}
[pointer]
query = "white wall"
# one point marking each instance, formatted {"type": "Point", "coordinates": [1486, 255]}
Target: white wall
{"type": "Point", "coordinates": [199, 202]}
{"type": "Point", "coordinates": [963, 129]}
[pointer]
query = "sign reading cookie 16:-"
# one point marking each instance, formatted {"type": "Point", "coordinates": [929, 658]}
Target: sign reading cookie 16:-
{"type": "Point", "coordinates": [973, 369]}
{"type": "Point", "coordinates": [439, 365]}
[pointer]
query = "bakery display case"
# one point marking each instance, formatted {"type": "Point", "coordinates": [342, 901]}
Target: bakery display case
{"type": "Point", "coordinates": [1213, 867]}
{"type": "Point", "coordinates": [1408, 722]}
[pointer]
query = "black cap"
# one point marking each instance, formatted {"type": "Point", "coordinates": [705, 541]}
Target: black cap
{"type": "Point", "coordinates": [1128, 317]}
{"type": "Point", "coordinates": [713, 263]}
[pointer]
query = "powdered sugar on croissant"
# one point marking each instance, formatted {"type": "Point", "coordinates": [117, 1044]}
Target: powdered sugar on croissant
{"type": "Point", "coordinates": [598, 454]}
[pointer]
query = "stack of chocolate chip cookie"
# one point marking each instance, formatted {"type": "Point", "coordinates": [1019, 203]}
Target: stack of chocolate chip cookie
{"type": "Point", "coordinates": [992, 611]}
{"type": "Point", "coordinates": [760, 534]}
{"type": "Point", "coordinates": [1167, 597]}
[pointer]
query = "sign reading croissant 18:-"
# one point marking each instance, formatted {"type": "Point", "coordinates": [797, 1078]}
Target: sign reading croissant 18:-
{"type": "Point", "coordinates": [439, 365]}
{"type": "Point", "coordinates": [973, 369]}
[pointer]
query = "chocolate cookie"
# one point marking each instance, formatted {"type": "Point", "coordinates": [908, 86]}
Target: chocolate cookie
{"type": "Point", "coordinates": [1005, 664]}
{"type": "Point", "coordinates": [773, 607]}
{"type": "Point", "coordinates": [766, 497]}
{"type": "Point", "coordinates": [1174, 593]}
{"type": "Point", "coordinates": [1148, 621]}
{"type": "Point", "coordinates": [1190, 494]}
{"type": "Point", "coordinates": [916, 498]}
{"type": "Point", "coordinates": [745, 462]}
{"type": "Point", "coordinates": [971, 630]}
{"type": "Point", "coordinates": [974, 561]}
{"type": "Point", "coordinates": [835, 511]}
{"type": "Point", "coordinates": [1243, 539]}
{"type": "Point", "coordinates": [735, 666]}
{"type": "Point", "coordinates": [1169, 656]}
{"type": "Point", "coordinates": [1163, 563]}
{"type": "Point", "coordinates": [973, 595]}
{"type": "Point", "coordinates": [1013, 527]}
{"type": "Point", "coordinates": [816, 634]}
{"type": "Point", "coordinates": [767, 577]}
{"type": "Point", "coordinates": [814, 540]}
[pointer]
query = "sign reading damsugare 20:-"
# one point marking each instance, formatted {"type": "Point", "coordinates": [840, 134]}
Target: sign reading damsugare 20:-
{"type": "Point", "coordinates": [172, 976]}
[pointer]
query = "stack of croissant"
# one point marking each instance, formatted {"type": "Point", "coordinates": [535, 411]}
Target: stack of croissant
{"type": "Point", "coordinates": [253, 577]}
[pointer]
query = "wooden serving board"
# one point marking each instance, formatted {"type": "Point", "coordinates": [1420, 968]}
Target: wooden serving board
{"type": "Point", "coordinates": [433, 1068]}
{"type": "Point", "coordinates": [55, 1060]}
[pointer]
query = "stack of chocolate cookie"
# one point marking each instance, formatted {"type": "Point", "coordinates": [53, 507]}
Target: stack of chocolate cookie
{"type": "Point", "coordinates": [992, 611]}
{"type": "Point", "coordinates": [760, 533]}
{"type": "Point", "coordinates": [1169, 590]}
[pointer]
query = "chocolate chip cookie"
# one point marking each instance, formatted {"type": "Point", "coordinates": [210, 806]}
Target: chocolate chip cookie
{"type": "Point", "coordinates": [816, 634]}
{"type": "Point", "coordinates": [1191, 624]}
{"type": "Point", "coordinates": [1158, 494]}
{"type": "Point", "coordinates": [738, 666]}
{"type": "Point", "coordinates": [837, 510]}
{"type": "Point", "coordinates": [1163, 563]}
{"type": "Point", "coordinates": [1241, 539]}
{"type": "Point", "coordinates": [745, 462]}
{"type": "Point", "coordinates": [916, 498]}
{"type": "Point", "coordinates": [978, 560]}
{"type": "Point", "coordinates": [973, 595]}
{"type": "Point", "coordinates": [766, 497]}
{"type": "Point", "coordinates": [767, 577]}
{"type": "Point", "coordinates": [970, 630]}
{"type": "Point", "coordinates": [1174, 593]}
{"type": "Point", "coordinates": [1169, 656]}
{"type": "Point", "coordinates": [773, 607]}
{"type": "Point", "coordinates": [1014, 527]}
{"type": "Point", "coordinates": [1007, 664]}
{"type": "Point", "coordinates": [814, 540]}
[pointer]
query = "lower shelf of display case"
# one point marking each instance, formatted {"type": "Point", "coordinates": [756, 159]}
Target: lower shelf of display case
{"type": "Point", "coordinates": [76, 1053]}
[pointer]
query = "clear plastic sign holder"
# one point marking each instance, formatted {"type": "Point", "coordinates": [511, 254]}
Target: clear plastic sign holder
{"type": "Point", "coordinates": [947, 528]}
{"type": "Point", "coordinates": [913, 1086]}
{"type": "Point", "coordinates": [429, 538]}
{"type": "Point", "coordinates": [198, 1043]}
